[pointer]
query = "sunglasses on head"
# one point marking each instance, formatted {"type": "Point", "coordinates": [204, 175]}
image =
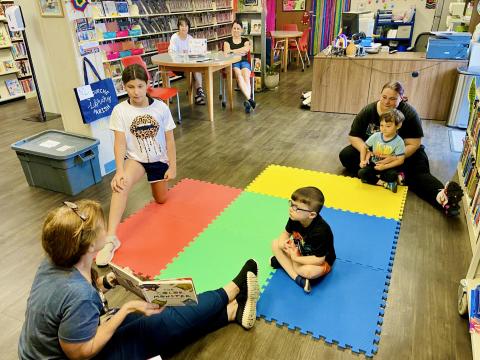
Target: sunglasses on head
{"type": "Point", "coordinates": [75, 209]}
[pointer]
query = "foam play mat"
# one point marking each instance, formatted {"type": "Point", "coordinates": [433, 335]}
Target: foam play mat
{"type": "Point", "coordinates": [340, 192]}
{"type": "Point", "coordinates": [153, 236]}
{"type": "Point", "coordinates": [207, 232]}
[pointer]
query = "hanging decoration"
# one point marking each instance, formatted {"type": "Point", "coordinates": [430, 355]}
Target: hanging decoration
{"type": "Point", "coordinates": [79, 5]}
{"type": "Point", "coordinates": [328, 17]}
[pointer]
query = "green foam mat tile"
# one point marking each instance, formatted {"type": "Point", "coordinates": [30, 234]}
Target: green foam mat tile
{"type": "Point", "coordinates": [244, 230]}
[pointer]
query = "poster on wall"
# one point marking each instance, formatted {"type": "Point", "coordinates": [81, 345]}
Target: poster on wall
{"type": "Point", "coordinates": [50, 8]}
{"type": "Point", "coordinates": [293, 5]}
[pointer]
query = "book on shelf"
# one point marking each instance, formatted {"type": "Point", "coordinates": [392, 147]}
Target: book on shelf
{"type": "Point", "coordinates": [23, 67]}
{"type": "Point", "coordinates": [245, 27]}
{"type": "Point", "coordinates": [256, 26]}
{"type": "Point", "coordinates": [257, 64]}
{"type": "Point", "coordinates": [110, 8]}
{"type": "Point", "coordinates": [171, 292]}
{"type": "Point", "coordinates": [27, 85]}
{"type": "Point", "coordinates": [96, 9]}
{"type": "Point", "coordinates": [13, 86]}
{"type": "Point", "coordinates": [122, 8]}
{"type": "Point", "coordinates": [118, 86]}
{"type": "Point", "coordinates": [4, 36]}
{"type": "Point", "coordinates": [9, 65]}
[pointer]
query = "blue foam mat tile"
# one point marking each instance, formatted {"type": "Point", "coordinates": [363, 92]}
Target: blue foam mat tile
{"type": "Point", "coordinates": [343, 308]}
{"type": "Point", "coordinates": [362, 239]}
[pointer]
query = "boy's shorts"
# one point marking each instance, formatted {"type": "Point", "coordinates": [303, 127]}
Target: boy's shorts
{"type": "Point", "coordinates": [155, 171]}
{"type": "Point", "coordinates": [326, 268]}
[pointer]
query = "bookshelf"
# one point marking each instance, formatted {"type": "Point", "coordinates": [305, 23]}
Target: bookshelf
{"type": "Point", "coordinates": [121, 28]}
{"type": "Point", "coordinates": [16, 80]}
{"type": "Point", "coordinates": [469, 175]}
{"type": "Point", "coordinates": [253, 22]}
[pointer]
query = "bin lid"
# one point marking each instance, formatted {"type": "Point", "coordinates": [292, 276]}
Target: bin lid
{"type": "Point", "coordinates": [55, 144]}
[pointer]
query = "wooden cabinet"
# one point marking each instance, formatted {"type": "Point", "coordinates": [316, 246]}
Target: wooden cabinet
{"type": "Point", "coordinates": [346, 85]}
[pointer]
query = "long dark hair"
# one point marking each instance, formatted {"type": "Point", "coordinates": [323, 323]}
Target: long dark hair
{"type": "Point", "coordinates": [134, 72]}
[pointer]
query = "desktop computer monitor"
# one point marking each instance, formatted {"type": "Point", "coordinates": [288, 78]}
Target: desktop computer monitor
{"type": "Point", "coordinates": [350, 23]}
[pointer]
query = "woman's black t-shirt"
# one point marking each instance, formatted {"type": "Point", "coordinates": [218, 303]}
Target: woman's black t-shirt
{"type": "Point", "coordinates": [234, 46]}
{"type": "Point", "coordinates": [367, 122]}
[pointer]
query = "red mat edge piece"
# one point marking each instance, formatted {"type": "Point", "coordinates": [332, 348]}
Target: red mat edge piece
{"type": "Point", "coordinates": [151, 265]}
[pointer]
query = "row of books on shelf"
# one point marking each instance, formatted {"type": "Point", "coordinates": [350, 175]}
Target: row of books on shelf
{"type": "Point", "coordinates": [470, 173]}
{"type": "Point", "coordinates": [18, 87]}
{"type": "Point", "coordinates": [146, 7]}
{"type": "Point", "coordinates": [474, 316]}
{"type": "Point", "coordinates": [19, 50]}
{"type": "Point", "coordinates": [88, 30]}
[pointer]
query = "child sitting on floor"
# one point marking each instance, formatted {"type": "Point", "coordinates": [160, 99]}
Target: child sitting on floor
{"type": "Point", "coordinates": [385, 152]}
{"type": "Point", "coordinates": [305, 249]}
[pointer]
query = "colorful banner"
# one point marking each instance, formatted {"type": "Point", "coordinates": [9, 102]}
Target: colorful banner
{"type": "Point", "coordinates": [328, 20]}
{"type": "Point", "coordinates": [79, 4]}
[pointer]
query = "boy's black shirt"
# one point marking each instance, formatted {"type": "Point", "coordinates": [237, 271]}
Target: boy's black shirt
{"type": "Point", "coordinates": [367, 122]}
{"type": "Point", "coordinates": [315, 239]}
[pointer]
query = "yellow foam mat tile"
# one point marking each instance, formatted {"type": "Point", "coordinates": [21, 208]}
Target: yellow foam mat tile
{"type": "Point", "coordinates": [340, 192]}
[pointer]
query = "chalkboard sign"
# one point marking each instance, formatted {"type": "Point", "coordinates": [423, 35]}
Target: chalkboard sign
{"type": "Point", "coordinates": [96, 100]}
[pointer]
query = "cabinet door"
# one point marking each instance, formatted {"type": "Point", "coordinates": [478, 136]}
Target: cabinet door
{"type": "Point", "coordinates": [340, 85]}
{"type": "Point", "coordinates": [431, 92]}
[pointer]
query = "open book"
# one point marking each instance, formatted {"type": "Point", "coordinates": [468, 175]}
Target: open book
{"type": "Point", "coordinates": [172, 292]}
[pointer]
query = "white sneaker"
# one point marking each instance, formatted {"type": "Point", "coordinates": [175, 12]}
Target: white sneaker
{"type": "Point", "coordinates": [105, 255]}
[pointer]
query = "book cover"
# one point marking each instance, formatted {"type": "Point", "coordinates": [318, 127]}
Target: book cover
{"type": "Point", "coordinates": [13, 87]}
{"type": "Point", "coordinates": [245, 27]}
{"type": "Point", "coordinates": [122, 8]}
{"type": "Point", "coordinates": [255, 26]}
{"type": "Point", "coordinates": [97, 9]}
{"type": "Point", "coordinates": [110, 8]}
{"type": "Point", "coordinates": [172, 292]}
{"type": "Point", "coordinates": [257, 65]}
{"type": "Point", "coordinates": [9, 65]}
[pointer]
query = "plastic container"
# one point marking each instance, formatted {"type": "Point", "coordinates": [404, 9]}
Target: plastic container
{"type": "Point", "coordinates": [113, 55]}
{"type": "Point", "coordinates": [109, 35]}
{"type": "Point", "coordinates": [59, 161]}
{"type": "Point", "coordinates": [122, 33]}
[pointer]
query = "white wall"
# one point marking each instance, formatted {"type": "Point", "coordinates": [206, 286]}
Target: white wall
{"type": "Point", "coordinates": [423, 16]}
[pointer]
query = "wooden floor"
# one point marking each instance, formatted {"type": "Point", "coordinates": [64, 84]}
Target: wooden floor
{"type": "Point", "coordinates": [421, 320]}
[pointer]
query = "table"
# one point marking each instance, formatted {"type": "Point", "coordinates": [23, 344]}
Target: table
{"type": "Point", "coordinates": [284, 35]}
{"type": "Point", "coordinates": [218, 61]}
{"type": "Point", "coordinates": [345, 85]}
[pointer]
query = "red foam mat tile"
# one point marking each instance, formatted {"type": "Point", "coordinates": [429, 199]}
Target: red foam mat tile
{"type": "Point", "coordinates": [153, 236]}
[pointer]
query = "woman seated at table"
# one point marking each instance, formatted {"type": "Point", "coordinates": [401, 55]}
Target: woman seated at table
{"type": "Point", "coordinates": [242, 69]}
{"type": "Point", "coordinates": [179, 45]}
{"type": "Point", "coordinates": [65, 303]}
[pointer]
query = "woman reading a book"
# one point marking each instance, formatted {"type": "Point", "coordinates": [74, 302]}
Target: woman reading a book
{"type": "Point", "coordinates": [242, 69]}
{"type": "Point", "coordinates": [65, 305]}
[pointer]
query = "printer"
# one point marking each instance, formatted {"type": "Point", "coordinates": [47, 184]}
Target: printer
{"type": "Point", "coordinates": [448, 45]}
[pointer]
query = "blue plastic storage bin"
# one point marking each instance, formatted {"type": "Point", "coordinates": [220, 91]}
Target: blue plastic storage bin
{"type": "Point", "coordinates": [59, 161]}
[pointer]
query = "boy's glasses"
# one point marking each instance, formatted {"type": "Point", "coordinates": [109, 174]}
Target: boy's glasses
{"type": "Point", "coordinates": [296, 208]}
{"type": "Point", "coordinates": [74, 207]}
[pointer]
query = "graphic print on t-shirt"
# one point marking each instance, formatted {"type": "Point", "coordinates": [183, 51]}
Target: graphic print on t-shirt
{"type": "Point", "coordinates": [381, 151]}
{"type": "Point", "coordinates": [372, 129]}
{"type": "Point", "coordinates": [299, 242]}
{"type": "Point", "coordinates": [145, 129]}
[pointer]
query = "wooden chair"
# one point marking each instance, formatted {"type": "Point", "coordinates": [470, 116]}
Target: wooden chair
{"type": "Point", "coordinates": [161, 93]}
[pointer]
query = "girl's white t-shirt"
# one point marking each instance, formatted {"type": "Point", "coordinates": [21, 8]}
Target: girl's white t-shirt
{"type": "Point", "coordinates": [144, 130]}
{"type": "Point", "coordinates": [177, 45]}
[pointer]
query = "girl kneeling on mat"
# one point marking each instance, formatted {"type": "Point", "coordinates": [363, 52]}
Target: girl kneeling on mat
{"type": "Point", "coordinates": [144, 144]}
{"type": "Point", "coordinates": [65, 303]}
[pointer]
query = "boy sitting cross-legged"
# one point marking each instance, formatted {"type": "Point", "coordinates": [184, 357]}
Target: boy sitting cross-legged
{"type": "Point", "coordinates": [305, 249]}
